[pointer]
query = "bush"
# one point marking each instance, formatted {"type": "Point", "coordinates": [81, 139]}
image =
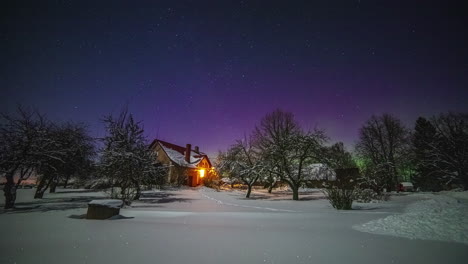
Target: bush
{"type": "Point", "coordinates": [340, 199]}
{"type": "Point", "coordinates": [212, 181]}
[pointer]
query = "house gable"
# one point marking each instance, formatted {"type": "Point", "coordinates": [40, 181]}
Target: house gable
{"type": "Point", "coordinates": [169, 153]}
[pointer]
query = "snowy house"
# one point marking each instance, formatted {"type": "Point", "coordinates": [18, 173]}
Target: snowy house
{"type": "Point", "coordinates": [186, 165]}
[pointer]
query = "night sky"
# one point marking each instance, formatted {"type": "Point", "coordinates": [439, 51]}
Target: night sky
{"type": "Point", "coordinates": [205, 72]}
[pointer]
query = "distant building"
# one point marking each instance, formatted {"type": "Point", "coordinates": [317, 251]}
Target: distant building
{"type": "Point", "coordinates": [186, 165]}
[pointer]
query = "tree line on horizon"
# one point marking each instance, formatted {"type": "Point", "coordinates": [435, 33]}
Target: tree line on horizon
{"type": "Point", "coordinates": [434, 155]}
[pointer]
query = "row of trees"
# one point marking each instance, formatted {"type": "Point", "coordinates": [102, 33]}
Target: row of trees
{"type": "Point", "coordinates": [280, 150]}
{"type": "Point", "coordinates": [33, 145]}
{"type": "Point", "coordinates": [433, 156]}
{"type": "Point", "coordinates": [52, 152]}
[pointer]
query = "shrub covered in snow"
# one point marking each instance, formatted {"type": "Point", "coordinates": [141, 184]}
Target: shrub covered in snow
{"type": "Point", "coordinates": [341, 192]}
{"type": "Point", "coordinates": [212, 181]}
{"type": "Point", "coordinates": [340, 198]}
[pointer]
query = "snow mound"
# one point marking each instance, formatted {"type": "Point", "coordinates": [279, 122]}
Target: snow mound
{"type": "Point", "coordinates": [440, 218]}
{"type": "Point", "coordinates": [111, 203]}
{"type": "Point", "coordinates": [457, 195]}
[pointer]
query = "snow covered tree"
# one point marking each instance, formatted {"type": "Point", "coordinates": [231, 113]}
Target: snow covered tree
{"type": "Point", "coordinates": [21, 135]}
{"type": "Point", "coordinates": [32, 145]}
{"type": "Point", "coordinates": [270, 181]}
{"type": "Point", "coordinates": [384, 141]}
{"type": "Point", "coordinates": [448, 154]}
{"type": "Point", "coordinates": [423, 141]}
{"type": "Point", "coordinates": [244, 163]}
{"type": "Point", "coordinates": [440, 147]}
{"type": "Point", "coordinates": [372, 176]}
{"type": "Point", "coordinates": [81, 155]}
{"type": "Point", "coordinates": [289, 150]}
{"type": "Point", "coordinates": [126, 159]}
{"type": "Point", "coordinates": [223, 169]}
{"type": "Point", "coordinates": [74, 150]}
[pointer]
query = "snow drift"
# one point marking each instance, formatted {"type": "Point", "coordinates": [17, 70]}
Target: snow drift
{"type": "Point", "coordinates": [443, 217]}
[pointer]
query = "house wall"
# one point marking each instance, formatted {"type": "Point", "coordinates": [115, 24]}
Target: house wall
{"type": "Point", "coordinates": [195, 173]}
{"type": "Point", "coordinates": [204, 164]}
{"type": "Point", "coordinates": [164, 159]}
{"type": "Point", "coordinates": [178, 174]}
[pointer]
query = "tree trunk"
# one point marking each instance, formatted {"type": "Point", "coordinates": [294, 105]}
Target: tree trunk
{"type": "Point", "coordinates": [124, 196]}
{"type": "Point", "coordinates": [389, 185]}
{"type": "Point", "coordinates": [138, 192]}
{"type": "Point", "coordinates": [39, 193]}
{"type": "Point", "coordinates": [272, 185]}
{"type": "Point", "coordinates": [463, 177]}
{"type": "Point", "coordinates": [41, 188]}
{"type": "Point", "coordinates": [66, 182]}
{"type": "Point", "coordinates": [53, 187]}
{"type": "Point", "coordinates": [249, 190]}
{"type": "Point", "coordinates": [9, 191]}
{"type": "Point", "coordinates": [295, 190]}
{"type": "Point", "coordinates": [295, 193]}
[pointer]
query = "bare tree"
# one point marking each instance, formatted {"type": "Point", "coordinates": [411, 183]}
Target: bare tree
{"type": "Point", "coordinates": [73, 149]}
{"type": "Point", "coordinates": [384, 141]}
{"type": "Point", "coordinates": [270, 180]}
{"type": "Point", "coordinates": [243, 162]}
{"type": "Point", "coordinates": [288, 149]}
{"type": "Point", "coordinates": [24, 144]}
{"type": "Point", "coordinates": [82, 152]}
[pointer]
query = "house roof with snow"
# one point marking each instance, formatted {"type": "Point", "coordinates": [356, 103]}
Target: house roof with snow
{"type": "Point", "coordinates": [177, 154]}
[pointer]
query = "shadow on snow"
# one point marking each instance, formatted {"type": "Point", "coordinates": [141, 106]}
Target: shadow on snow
{"type": "Point", "coordinates": [161, 198]}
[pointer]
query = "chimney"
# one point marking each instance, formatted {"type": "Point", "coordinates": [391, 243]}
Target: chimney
{"type": "Point", "coordinates": [197, 150]}
{"type": "Point", "coordinates": [188, 150]}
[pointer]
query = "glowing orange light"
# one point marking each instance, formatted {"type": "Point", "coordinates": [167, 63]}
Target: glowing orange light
{"type": "Point", "coordinates": [202, 173]}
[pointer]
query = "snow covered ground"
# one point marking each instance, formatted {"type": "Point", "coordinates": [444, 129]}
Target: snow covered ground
{"type": "Point", "coordinates": [205, 226]}
{"type": "Point", "coordinates": [441, 217]}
